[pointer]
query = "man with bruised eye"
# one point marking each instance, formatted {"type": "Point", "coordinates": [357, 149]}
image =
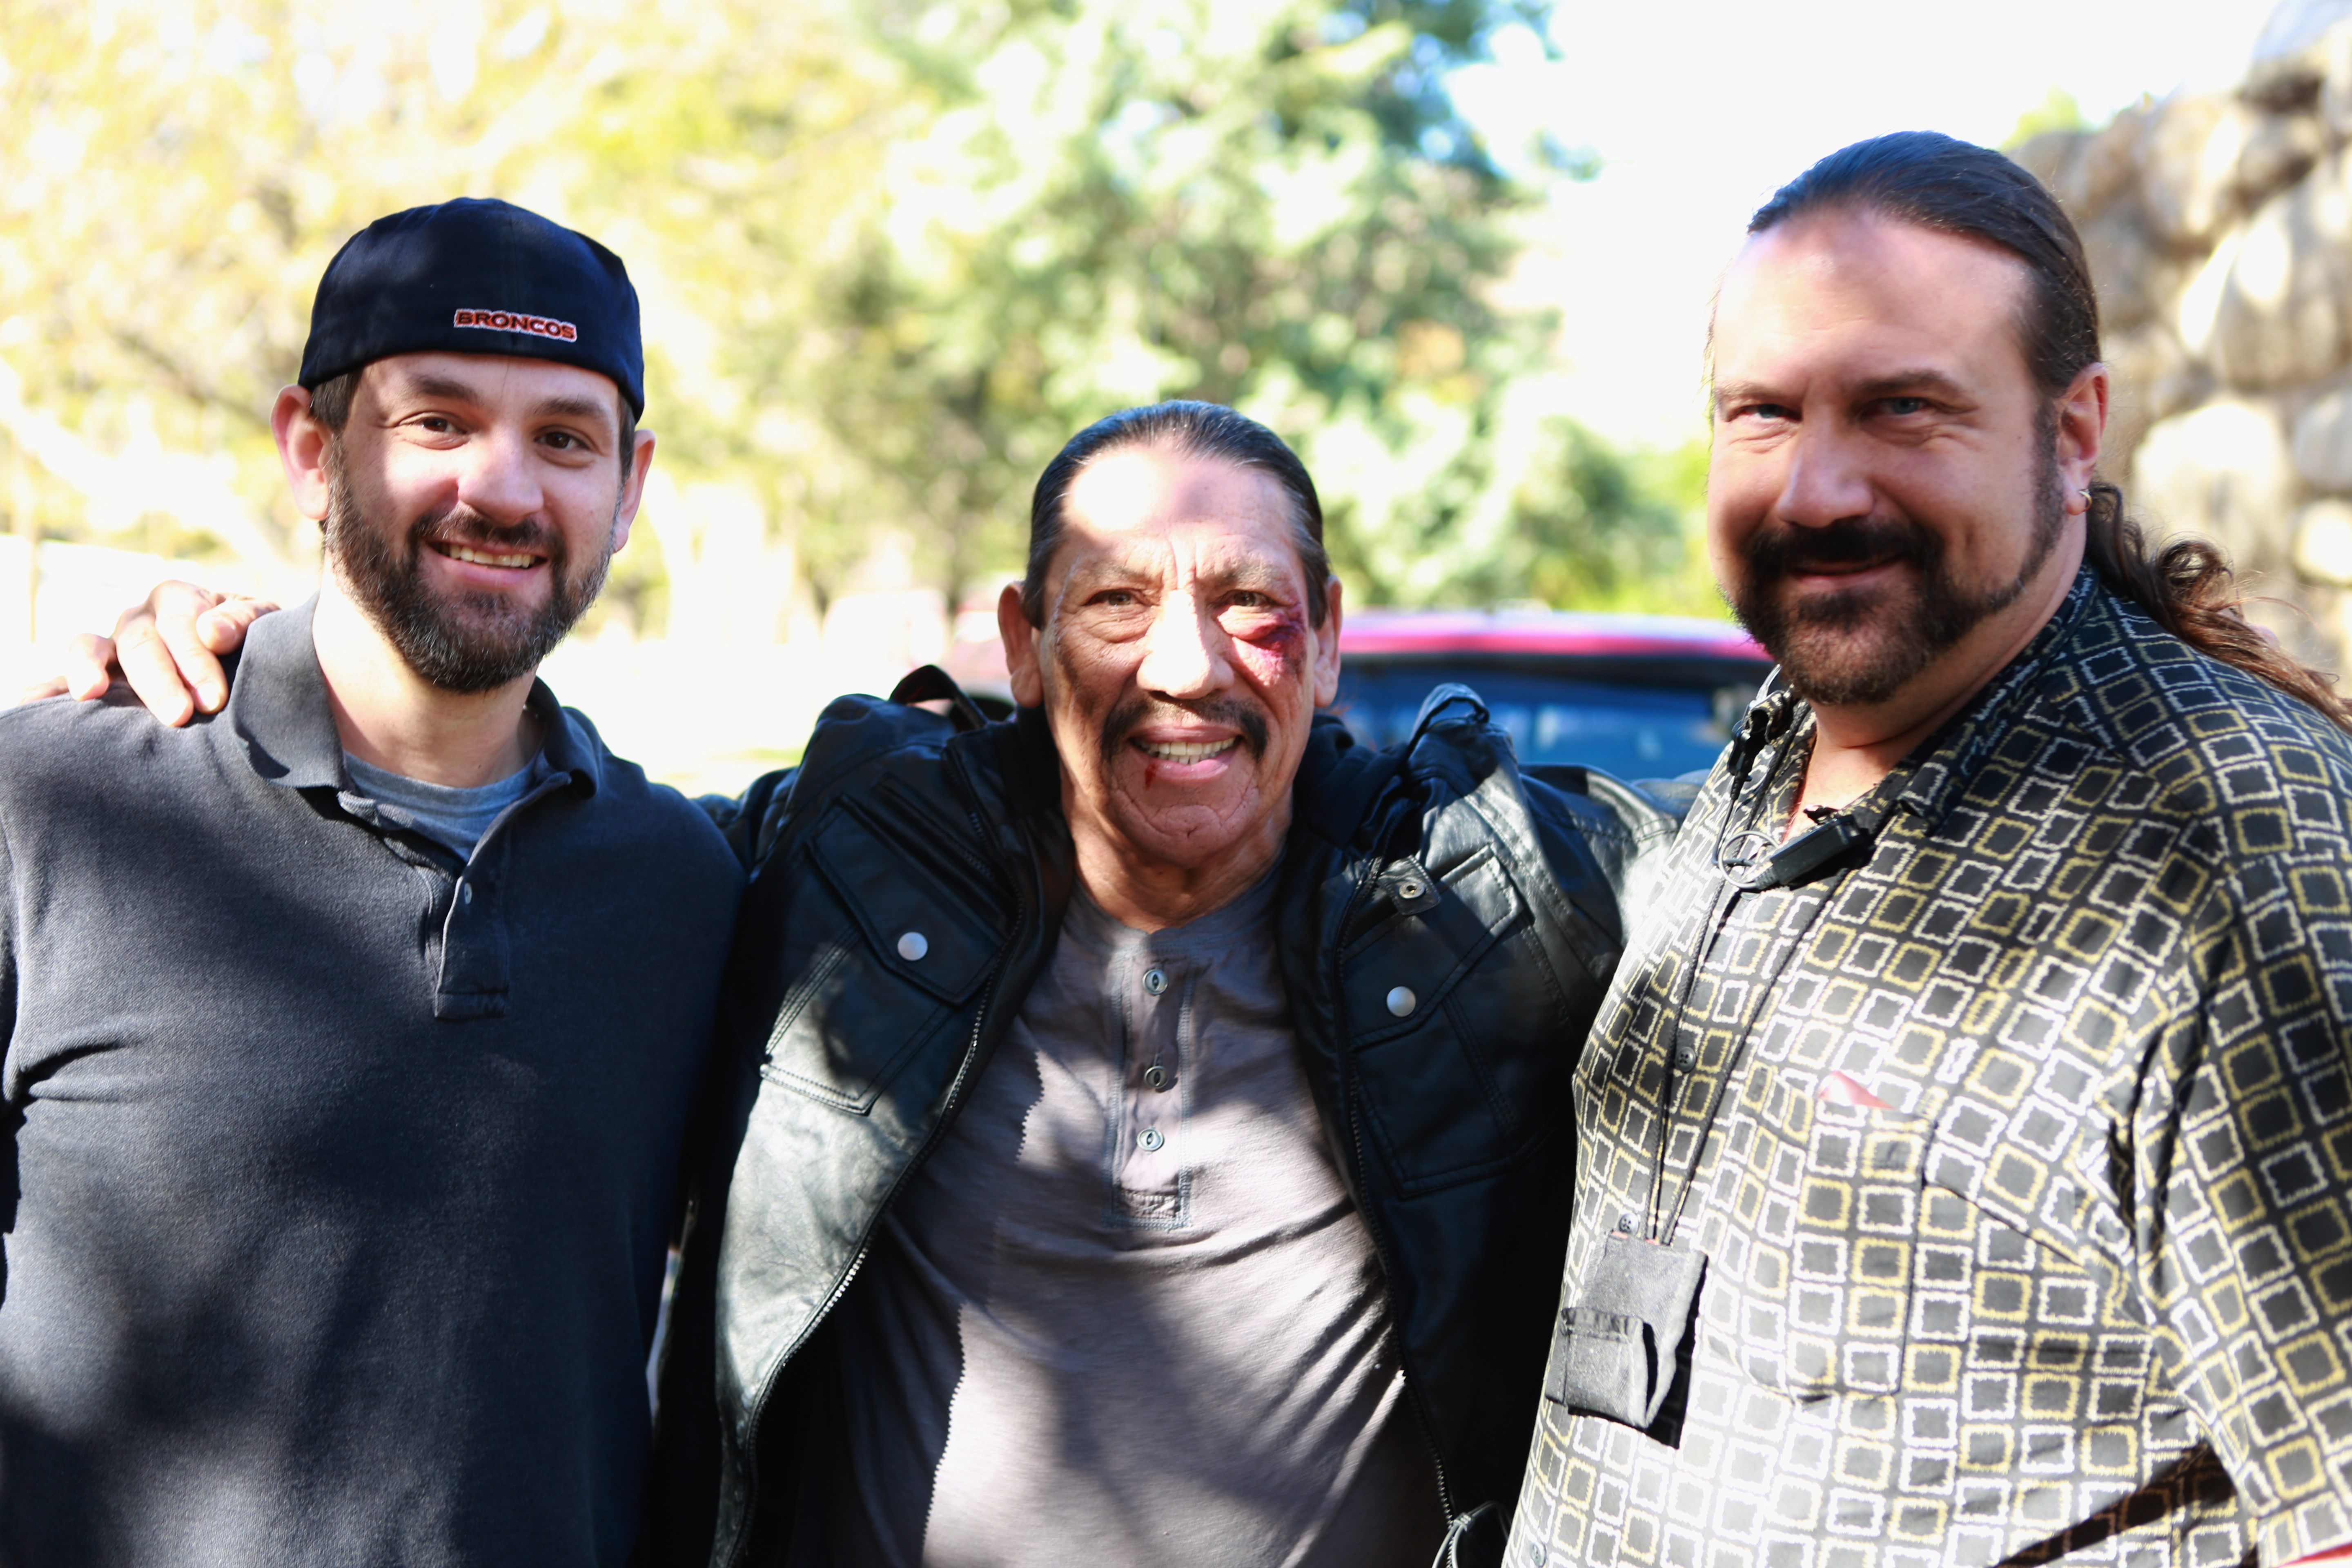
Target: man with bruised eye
{"type": "Point", "coordinates": [1146, 1125]}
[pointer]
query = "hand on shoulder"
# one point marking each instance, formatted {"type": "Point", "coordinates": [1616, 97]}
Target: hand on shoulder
{"type": "Point", "coordinates": [168, 647]}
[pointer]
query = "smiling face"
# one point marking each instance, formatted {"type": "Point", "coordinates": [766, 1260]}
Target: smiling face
{"type": "Point", "coordinates": [1179, 668]}
{"type": "Point", "coordinates": [473, 503]}
{"type": "Point", "coordinates": [1889, 494]}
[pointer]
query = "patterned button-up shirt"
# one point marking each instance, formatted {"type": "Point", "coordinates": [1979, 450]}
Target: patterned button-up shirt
{"type": "Point", "coordinates": [2018, 1142]}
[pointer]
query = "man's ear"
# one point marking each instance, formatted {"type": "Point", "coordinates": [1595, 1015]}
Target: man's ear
{"type": "Point", "coordinates": [1021, 648]}
{"type": "Point", "coordinates": [1327, 647]}
{"type": "Point", "coordinates": [632, 489]}
{"type": "Point", "coordinates": [2082, 430]}
{"type": "Point", "coordinates": [303, 443]}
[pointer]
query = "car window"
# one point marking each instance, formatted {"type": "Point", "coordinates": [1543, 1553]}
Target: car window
{"type": "Point", "coordinates": [1634, 732]}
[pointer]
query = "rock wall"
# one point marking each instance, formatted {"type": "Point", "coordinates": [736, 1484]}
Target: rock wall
{"type": "Point", "coordinates": [2219, 232]}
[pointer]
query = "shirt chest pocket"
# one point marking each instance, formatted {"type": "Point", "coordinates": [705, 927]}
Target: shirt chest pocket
{"type": "Point", "coordinates": [1811, 1236]}
{"type": "Point", "coordinates": [1446, 1000]}
{"type": "Point", "coordinates": [859, 957]}
{"type": "Point", "coordinates": [1842, 1260]}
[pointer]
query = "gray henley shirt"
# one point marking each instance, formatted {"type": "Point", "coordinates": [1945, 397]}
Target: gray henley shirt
{"type": "Point", "coordinates": [1128, 1312]}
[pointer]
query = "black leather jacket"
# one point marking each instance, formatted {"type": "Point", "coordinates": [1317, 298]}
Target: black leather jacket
{"type": "Point", "coordinates": [1439, 866]}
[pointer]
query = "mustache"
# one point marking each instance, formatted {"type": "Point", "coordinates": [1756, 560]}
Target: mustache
{"type": "Point", "coordinates": [461, 525]}
{"type": "Point", "coordinates": [1779, 550]}
{"type": "Point", "coordinates": [1136, 712]}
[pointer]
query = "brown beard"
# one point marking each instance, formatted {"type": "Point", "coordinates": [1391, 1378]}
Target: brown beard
{"type": "Point", "coordinates": [1856, 649]}
{"type": "Point", "coordinates": [481, 650]}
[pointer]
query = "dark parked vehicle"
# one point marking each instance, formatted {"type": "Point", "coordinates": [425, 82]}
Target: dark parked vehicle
{"type": "Point", "coordinates": [1642, 697]}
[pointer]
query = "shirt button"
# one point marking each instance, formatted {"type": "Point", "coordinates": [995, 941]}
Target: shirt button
{"type": "Point", "coordinates": [1155, 981]}
{"type": "Point", "coordinates": [1685, 1057]}
{"type": "Point", "coordinates": [1625, 1224]}
{"type": "Point", "coordinates": [464, 892]}
{"type": "Point", "coordinates": [1151, 1140]}
{"type": "Point", "coordinates": [913, 945]}
{"type": "Point", "coordinates": [1402, 1001]}
{"type": "Point", "coordinates": [1158, 1076]}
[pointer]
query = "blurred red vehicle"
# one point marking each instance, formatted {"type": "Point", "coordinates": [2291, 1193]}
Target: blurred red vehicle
{"type": "Point", "coordinates": [1638, 696]}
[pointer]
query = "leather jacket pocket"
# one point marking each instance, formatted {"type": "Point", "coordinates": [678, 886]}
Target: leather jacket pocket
{"type": "Point", "coordinates": [882, 956]}
{"type": "Point", "coordinates": [1427, 990]}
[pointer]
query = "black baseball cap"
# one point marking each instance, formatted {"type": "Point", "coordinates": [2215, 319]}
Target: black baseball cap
{"type": "Point", "coordinates": [476, 276]}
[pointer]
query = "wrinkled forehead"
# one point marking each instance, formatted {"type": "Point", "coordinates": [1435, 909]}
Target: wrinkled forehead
{"type": "Point", "coordinates": [1175, 520]}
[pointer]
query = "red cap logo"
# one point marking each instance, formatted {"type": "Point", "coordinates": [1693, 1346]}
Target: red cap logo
{"type": "Point", "coordinates": [515, 322]}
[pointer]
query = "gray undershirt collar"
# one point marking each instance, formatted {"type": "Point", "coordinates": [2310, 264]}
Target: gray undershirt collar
{"type": "Point", "coordinates": [457, 818]}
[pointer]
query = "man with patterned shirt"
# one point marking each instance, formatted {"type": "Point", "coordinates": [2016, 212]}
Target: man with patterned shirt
{"type": "Point", "coordinates": [1965, 1144]}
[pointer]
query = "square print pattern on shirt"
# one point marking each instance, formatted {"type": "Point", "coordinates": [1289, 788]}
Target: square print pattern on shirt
{"type": "Point", "coordinates": [2081, 1286]}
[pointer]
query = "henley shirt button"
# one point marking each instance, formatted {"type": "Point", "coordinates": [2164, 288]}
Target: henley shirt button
{"type": "Point", "coordinates": [913, 945]}
{"type": "Point", "coordinates": [1158, 1076]}
{"type": "Point", "coordinates": [1155, 981]}
{"type": "Point", "coordinates": [1151, 1141]}
{"type": "Point", "coordinates": [1402, 1001]}
{"type": "Point", "coordinates": [464, 892]}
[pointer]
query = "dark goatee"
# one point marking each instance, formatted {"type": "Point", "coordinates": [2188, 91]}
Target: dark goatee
{"type": "Point", "coordinates": [464, 642]}
{"type": "Point", "coordinates": [1859, 646]}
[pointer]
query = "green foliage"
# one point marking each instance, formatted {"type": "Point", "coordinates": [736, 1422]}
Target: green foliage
{"type": "Point", "coordinates": [892, 255]}
{"type": "Point", "coordinates": [1547, 513]}
{"type": "Point", "coordinates": [2056, 111]}
{"type": "Point", "coordinates": [1120, 201]}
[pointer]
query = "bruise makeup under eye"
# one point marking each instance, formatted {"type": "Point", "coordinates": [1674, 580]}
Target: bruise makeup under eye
{"type": "Point", "coordinates": [1279, 632]}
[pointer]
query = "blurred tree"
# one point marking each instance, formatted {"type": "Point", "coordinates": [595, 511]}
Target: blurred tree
{"type": "Point", "coordinates": [178, 176]}
{"type": "Point", "coordinates": [1116, 200]}
{"type": "Point", "coordinates": [2056, 111]}
{"type": "Point", "coordinates": [892, 256]}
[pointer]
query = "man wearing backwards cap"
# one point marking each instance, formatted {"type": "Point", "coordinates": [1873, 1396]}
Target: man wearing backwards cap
{"type": "Point", "coordinates": [336, 1232]}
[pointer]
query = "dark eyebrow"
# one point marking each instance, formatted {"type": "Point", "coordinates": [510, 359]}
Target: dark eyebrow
{"type": "Point", "coordinates": [1248, 574]}
{"type": "Point", "coordinates": [577, 408]}
{"type": "Point", "coordinates": [1932, 383]}
{"type": "Point", "coordinates": [428, 385]}
{"type": "Point", "coordinates": [1914, 382]}
{"type": "Point", "coordinates": [1742, 392]}
{"type": "Point", "coordinates": [1255, 574]}
{"type": "Point", "coordinates": [561, 407]}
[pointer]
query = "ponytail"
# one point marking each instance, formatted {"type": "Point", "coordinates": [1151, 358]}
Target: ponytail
{"type": "Point", "coordinates": [2188, 589]}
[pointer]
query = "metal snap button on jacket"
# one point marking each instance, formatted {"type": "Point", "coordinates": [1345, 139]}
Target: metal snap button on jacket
{"type": "Point", "coordinates": [913, 945]}
{"type": "Point", "coordinates": [1402, 1001]}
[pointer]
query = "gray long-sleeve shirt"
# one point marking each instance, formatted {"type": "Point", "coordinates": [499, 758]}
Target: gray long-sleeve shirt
{"type": "Point", "coordinates": [339, 1173]}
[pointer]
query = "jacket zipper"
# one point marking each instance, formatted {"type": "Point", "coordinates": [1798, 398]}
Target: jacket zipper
{"type": "Point", "coordinates": [1356, 1140]}
{"type": "Point", "coordinates": [865, 1241]}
